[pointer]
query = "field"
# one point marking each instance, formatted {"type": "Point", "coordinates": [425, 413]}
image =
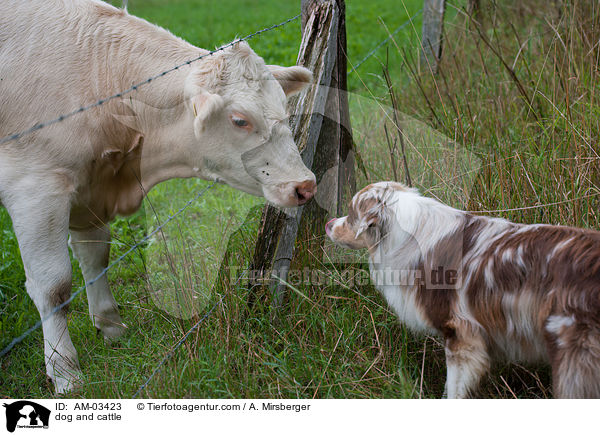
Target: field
{"type": "Point", "coordinates": [508, 127]}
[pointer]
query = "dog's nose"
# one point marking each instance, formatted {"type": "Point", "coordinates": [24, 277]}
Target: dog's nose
{"type": "Point", "coordinates": [305, 191]}
{"type": "Point", "coordinates": [329, 226]}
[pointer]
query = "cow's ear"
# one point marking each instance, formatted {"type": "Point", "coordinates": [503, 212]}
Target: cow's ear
{"type": "Point", "coordinates": [203, 106]}
{"type": "Point", "coordinates": [292, 79]}
{"type": "Point", "coordinates": [204, 77]}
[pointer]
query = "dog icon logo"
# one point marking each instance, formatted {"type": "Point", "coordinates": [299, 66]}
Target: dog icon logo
{"type": "Point", "coordinates": [26, 414]}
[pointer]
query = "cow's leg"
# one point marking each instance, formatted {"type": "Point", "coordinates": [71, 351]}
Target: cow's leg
{"type": "Point", "coordinates": [41, 225]}
{"type": "Point", "coordinates": [92, 248]}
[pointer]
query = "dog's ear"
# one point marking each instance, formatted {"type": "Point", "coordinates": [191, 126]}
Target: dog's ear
{"type": "Point", "coordinates": [371, 216]}
{"type": "Point", "coordinates": [372, 208]}
{"type": "Point", "coordinates": [365, 224]}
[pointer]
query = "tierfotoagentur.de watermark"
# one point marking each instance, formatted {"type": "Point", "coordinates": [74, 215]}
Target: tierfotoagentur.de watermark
{"type": "Point", "coordinates": [355, 277]}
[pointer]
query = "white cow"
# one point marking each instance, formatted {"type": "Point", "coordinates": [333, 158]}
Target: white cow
{"type": "Point", "coordinates": [222, 118]}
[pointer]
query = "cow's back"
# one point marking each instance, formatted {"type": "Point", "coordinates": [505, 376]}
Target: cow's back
{"type": "Point", "coordinates": [42, 60]}
{"type": "Point", "coordinates": [59, 55]}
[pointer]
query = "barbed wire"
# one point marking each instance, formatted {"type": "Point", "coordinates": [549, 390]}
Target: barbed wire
{"type": "Point", "coordinates": [385, 41]}
{"type": "Point", "coordinates": [531, 207]}
{"type": "Point", "coordinates": [98, 103]}
{"type": "Point", "coordinates": [103, 101]}
{"type": "Point", "coordinates": [171, 352]}
{"type": "Point", "coordinates": [136, 86]}
{"type": "Point", "coordinates": [39, 323]}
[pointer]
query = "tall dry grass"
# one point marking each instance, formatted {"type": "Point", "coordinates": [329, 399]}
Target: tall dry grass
{"type": "Point", "coordinates": [518, 86]}
{"type": "Point", "coordinates": [508, 127]}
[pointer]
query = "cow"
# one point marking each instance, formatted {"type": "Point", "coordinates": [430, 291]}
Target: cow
{"type": "Point", "coordinates": [221, 118]}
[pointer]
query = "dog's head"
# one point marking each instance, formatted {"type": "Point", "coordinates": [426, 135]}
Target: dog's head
{"type": "Point", "coordinates": [369, 213]}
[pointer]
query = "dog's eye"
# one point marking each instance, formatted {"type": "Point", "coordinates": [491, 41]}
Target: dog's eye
{"type": "Point", "coordinates": [240, 122]}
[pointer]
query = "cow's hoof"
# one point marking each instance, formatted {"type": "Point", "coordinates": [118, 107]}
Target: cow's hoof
{"type": "Point", "coordinates": [67, 384]}
{"type": "Point", "coordinates": [113, 332]}
{"type": "Point", "coordinates": [110, 324]}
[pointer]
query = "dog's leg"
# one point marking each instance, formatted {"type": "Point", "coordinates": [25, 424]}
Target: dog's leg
{"type": "Point", "coordinates": [575, 358]}
{"type": "Point", "coordinates": [467, 360]}
{"type": "Point", "coordinates": [40, 215]}
{"type": "Point", "coordinates": [92, 248]}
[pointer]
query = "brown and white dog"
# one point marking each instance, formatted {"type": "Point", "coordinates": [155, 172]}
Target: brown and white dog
{"type": "Point", "coordinates": [495, 290]}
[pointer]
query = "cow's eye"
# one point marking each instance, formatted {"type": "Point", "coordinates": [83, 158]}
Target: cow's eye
{"type": "Point", "coordinates": [240, 122]}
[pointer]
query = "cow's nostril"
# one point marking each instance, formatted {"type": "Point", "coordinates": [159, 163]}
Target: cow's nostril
{"type": "Point", "coordinates": [300, 196]}
{"type": "Point", "coordinates": [305, 191]}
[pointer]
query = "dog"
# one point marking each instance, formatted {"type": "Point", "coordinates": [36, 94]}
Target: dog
{"type": "Point", "coordinates": [493, 289]}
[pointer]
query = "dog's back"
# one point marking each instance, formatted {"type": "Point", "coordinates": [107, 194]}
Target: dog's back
{"type": "Point", "coordinates": [535, 290]}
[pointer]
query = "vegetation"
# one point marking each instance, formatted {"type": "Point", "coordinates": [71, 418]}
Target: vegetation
{"type": "Point", "coordinates": [509, 127]}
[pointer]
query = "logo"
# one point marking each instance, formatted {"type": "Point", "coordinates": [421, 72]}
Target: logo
{"type": "Point", "coordinates": [26, 414]}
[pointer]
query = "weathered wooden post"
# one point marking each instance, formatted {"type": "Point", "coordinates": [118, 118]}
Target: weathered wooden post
{"type": "Point", "coordinates": [321, 126]}
{"type": "Point", "coordinates": [433, 25]}
{"type": "Point", "coordinates": [335, 140]}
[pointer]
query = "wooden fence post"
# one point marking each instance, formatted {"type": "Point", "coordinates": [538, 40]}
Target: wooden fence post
{"type": "Point", "coordinates": [433, 25]}
{"type": "Point", "coordinates": [335, 141]}
{"type": "Point", "coordinates": [321, 126]}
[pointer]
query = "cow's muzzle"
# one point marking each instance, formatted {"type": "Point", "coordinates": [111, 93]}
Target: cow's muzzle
{"type": "Point", "coordinates": [291, 193]}
{"type": "Point", "coordinates": [305, 191]}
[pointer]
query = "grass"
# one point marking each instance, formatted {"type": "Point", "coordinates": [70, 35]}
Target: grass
{"type": "Point", "coordinates": [510, 121]}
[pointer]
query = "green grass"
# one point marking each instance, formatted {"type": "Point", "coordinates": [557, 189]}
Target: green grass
{"type": "Point", "coordinates": [472, 141]}
{"type": "Point", "coordinates": [209, 24]}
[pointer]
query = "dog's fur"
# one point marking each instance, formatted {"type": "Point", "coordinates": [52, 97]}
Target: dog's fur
{"type": "Point", "coordinates": [495, 290]}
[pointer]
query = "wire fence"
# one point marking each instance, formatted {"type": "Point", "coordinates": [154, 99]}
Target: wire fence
{"type": "Point", "coordinates": [98, 103]}
{"type": "Point", "coordinates": [385, 41]}
{"type": "Point", "coordinates": [102, 101]}
{"type": "Point", "coordinates": [135, 87]}
{"type": "Point", "coordinates": [531, 207]}
{"type": "Point", "coordinates": [104, 271]}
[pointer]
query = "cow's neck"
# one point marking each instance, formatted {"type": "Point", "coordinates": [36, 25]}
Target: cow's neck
{"type": "Point", "coordinates": [164, 157]}
{"type": "Point", "coordinates": [159, 105]}
{"type": "Point", "coordinates": [156, 113]}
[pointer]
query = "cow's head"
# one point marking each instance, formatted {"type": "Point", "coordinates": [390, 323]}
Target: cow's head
{"type": "Point", "coordinates": [240, 123]}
